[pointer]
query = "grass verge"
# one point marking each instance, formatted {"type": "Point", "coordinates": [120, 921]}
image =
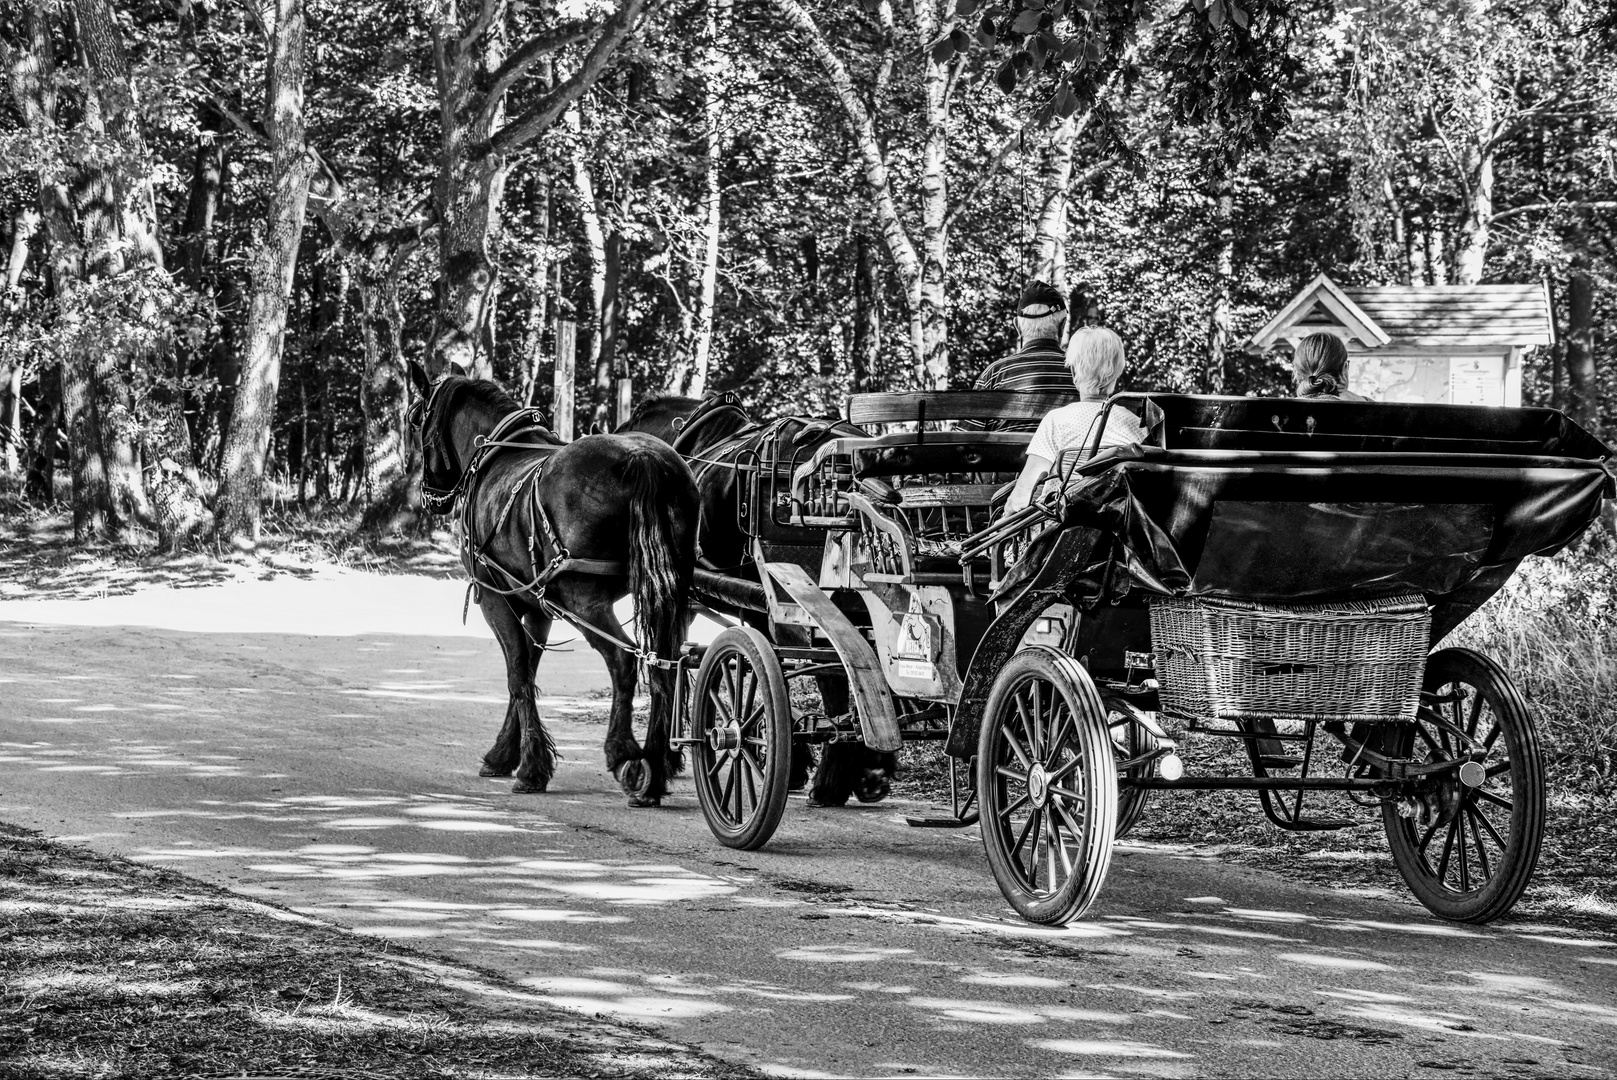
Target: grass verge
{"type": "Point", "coordinates": [112, 969]}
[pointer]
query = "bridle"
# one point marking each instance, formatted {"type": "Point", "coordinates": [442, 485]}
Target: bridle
{"type": "Point", "coordinates": [436, 500]}
{"type": "Point", "coordinates": [442, 500]}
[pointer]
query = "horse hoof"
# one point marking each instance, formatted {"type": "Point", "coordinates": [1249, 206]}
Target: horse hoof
{"type": "Point", "coordinates": [641, 802]}
{"type": "Point", "coordinates": [529, 787]}
{"type": "Point", "coordinates": [490, 770]}
{"type": "Point", "coordinates": [873, 786]}
{"type": "Point", "coordinates": [815, 802]}
{"type": "Point", "coordinates": [634, 778]}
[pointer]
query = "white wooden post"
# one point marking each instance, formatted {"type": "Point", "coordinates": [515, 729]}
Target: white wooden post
{"type": "Point", "coordinates": [561, 403]}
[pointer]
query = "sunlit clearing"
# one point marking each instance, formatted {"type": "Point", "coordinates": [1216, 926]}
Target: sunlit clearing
{"type": "Point", "coordinates": [1105, 1048]}
{"type": "Point", "coordinates": [1340, 963]}
{"type": "Point", "coordinates": [554, 915]}
{"type": "Point", "coordinates": [82, 982]}
{"type": "Point", "coordinates": [1000, 978]}
{"type": "Point", "coordinates": [840, 954]}
{"type": "Point", "coordinates": [1426, 929]}
{"type": "Point", "coordinates": [978, 1012]}
{"type": "Point", "coordinates": [1388, 1014]}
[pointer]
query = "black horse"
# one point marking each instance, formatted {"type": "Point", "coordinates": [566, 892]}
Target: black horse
{"type": "Point", "coordinates": [551, 530]}
{"type": "Point", "coordinates": [713, 434]}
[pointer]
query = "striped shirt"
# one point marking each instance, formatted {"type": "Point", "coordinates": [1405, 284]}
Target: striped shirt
{"type": "Point", "coordinates": [1039, 367]}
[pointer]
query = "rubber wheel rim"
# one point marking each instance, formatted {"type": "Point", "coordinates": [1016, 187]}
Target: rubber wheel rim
{"type": "Point", "coordinates": [742, 790]}
{"type": "Point", "coordinates": [1474, 866]}
{"type": "Point", "coordinates": [1043, 709]}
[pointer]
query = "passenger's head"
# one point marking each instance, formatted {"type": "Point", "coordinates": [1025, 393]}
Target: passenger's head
{"type": "Point", "coordinates": [1319, 365]}
{"type": "Point", "coordinates": [1095, 358]}
{"type": "Point", "coordinates": [1041, 312]}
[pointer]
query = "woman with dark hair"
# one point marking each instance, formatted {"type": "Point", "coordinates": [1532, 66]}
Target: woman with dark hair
{"type": "Point", "coordinates": [1319, 367]}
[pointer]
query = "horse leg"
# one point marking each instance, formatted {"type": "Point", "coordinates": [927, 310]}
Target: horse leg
{"type": "Point", "coordinates": [624, 757]}
{"type": "Point", "coordinates": [838, 769]}
{"type": "Point", "coordinates": [523, 745]}
{"type": "Point", "coordinates": [848, 768]}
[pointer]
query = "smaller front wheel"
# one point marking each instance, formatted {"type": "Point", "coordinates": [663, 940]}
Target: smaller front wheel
{"type": "Point", "coordinates": [742, 719]}
{"type": "Point", "coordinates": [1047, 779]}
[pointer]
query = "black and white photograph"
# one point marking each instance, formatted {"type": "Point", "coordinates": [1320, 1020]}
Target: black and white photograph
{"type": "Point", "coordinates": [808, 538]}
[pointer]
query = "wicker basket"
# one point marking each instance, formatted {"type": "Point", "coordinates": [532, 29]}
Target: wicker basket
{"type": "Point", "coordinates": [1234, 660]}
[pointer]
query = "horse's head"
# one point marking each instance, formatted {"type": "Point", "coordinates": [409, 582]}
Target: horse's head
{"type": "Point", "coordinates": [428, 413]}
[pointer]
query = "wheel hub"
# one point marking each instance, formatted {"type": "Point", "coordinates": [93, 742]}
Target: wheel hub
{"type": "Point", "coordinates": [724, 737]}
{"type": "Point", "coordinates": [1038, 786]}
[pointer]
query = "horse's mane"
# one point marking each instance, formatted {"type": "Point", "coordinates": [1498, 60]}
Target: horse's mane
{"type": "Point", "coordinates": [435, 432]}
{"type": "Point", "coordinates": [677, 403]}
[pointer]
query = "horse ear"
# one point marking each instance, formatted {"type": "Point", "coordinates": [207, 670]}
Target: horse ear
{"type": "Point", "coordinates": [456, 369]}
{"type": "Point", "coordinates": [418, 378]}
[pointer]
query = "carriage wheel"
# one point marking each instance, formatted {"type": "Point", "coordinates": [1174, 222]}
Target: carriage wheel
{"type": "Point", "coordinates": [1129, 741]}
{"type": "Point", "coordinates": [1470, 849]}
{"type": "Point", "coordinates": [742, 720]}
{"type": "Point", "coordinates": [1047, 780]}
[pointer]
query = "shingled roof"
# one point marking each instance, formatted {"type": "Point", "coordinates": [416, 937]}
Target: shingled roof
{"type": "Point", "coordinates": [1418, 316]}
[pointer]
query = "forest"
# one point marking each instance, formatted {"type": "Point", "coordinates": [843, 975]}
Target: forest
{"type": "Point", "coordinates": [227, 226]}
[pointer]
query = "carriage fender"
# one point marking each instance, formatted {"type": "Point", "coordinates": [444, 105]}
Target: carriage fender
{"type": "Point", "coordinates": [1068, 557]}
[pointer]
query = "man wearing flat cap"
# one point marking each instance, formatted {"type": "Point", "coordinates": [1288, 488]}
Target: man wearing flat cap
{"type": "Point", "coordinates": [1039, 366]}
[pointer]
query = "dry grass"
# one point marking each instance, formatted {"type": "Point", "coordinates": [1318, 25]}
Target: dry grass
{"type": "Point", "coordinates": [117, 970]}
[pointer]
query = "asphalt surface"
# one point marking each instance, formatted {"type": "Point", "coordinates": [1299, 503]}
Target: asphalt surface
{"type": "Point", "coordinates": [337, 774]}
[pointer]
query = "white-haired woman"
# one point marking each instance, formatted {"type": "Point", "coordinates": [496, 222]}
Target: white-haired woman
{"type": "Point", "coordinates": [1095, 358]}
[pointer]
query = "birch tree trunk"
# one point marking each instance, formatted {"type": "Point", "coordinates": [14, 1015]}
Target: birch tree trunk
{"type": "Point", "coordinates": [1050, 226]}
{"type": "Point", "coordinates": [595, 246]}
{"type": "Point", "coordinates": [1477, 155]}
{"type": "Point", "coordinates": [241, 481]}
{"type": "Point", "coordinates": [1219, 316]}
{"type": "Point", "coordinates": [713, 68]}
{"type": "Point", "coordinates": [932, 372]}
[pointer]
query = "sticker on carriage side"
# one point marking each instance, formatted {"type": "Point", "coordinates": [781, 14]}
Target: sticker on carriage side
{"type": "Point", "coordinates": [914, 669]}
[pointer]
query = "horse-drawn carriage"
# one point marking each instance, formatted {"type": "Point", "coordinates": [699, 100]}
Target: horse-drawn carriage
{"type": "Point", "coordinates": [1265, 571]}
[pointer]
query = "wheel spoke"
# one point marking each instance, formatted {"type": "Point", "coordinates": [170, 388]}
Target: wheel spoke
{"type": "Point", "coordinates": [1477, 825]}
{"type": "Point", "coordinates": [1503, 766]}
{"type": "Point", "coordinates": [729, 785]}
{"type": "Point", "coordinates": [1010, 774]}
{"type": "Point", "coordinates": [1029, 731]}
{"type": "Point", "coordinates": [1052, 840]}
{"type": "Point", "coordinates": [752, 707]}
{"type": "Point", "coordinates": [746, 774]}
{"type": "Point", "coordinates": [1072, 796]}
{"type": "Point", "coordinates": [1032, 820]}
{"type": "Point", "coordinates": [1059, 731]}
{"type": "Point", "coordinates": [1016, 748]}
{"type": "Point", "coordinates": [1465, 857]}
{"type": "Point", "coordinates": [1426, 736]}
{"type": "Point", "coordinates": [1476, 712]}
{"type": "Point", "coordinates": [736, 766]}
{"type": "Point", "coordinates": [721, 709]}
{"type": "Point", "coordinates": [1033, 848]}
{"type": "Point", "coordinates": [1448, 849]}
{"type": "Point", "coordinates": [1493, 736]}
{"type": "Point", "coordinates": [1425, 838]}
{"type": "Point", "coordinates": [1488, 796]}
{"type": "Point", "coordinates": [1073, 827]}
{"type": "Point", "coordinates": [1066, 768]}
{"type": "Point", "coordinates": [1480, 817]}
{"type": "Point", "coordinates": [1013, 807]}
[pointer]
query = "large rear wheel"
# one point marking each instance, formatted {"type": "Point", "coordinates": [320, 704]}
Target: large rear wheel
{"type": "Point", "coordinates": [742, 719]}
{"type": "Point", "coordinates": [1047, 781]}
{"type": "Point", "coordinates": [1468, 842]}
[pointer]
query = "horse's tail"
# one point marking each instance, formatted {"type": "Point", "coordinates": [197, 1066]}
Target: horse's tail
{"type": "Point", "coordinates": [662, 563]}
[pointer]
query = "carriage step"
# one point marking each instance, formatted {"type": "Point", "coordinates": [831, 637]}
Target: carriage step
{"type": "Point", "coordinates": [941, 821]}
{"type": "Point", "coordinates": [1322, 824]}
{"type": "Point", "coordinates": [1279, 761]}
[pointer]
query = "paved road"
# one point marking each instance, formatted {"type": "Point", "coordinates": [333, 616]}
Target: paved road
{"type": "Point", "coordinates": [335, 774]}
